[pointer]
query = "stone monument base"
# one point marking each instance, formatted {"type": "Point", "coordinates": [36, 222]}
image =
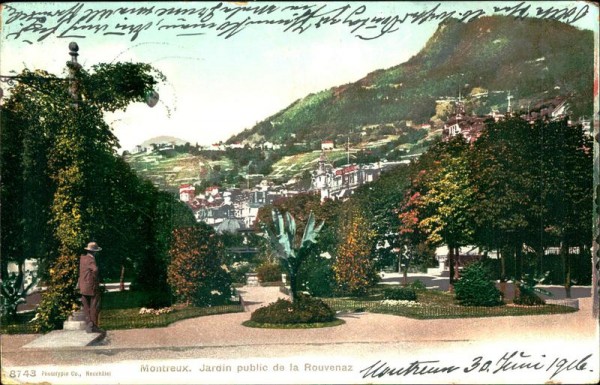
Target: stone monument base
{"type": "Point", "coordinates": [76, 321]}
{"type": "Point", "coordinates": [65, 339]}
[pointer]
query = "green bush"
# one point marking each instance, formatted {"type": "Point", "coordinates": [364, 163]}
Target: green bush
{"type": "Point", "coordinates": [213, 292]}
{"type": "Point", "coordinates": [475, 288]}
{"type": "Point", "coordinates": [269, 272]}
{"type": "Point", "coordinates": [238, 271]}
{"type": "Point", "coordinates": [400, 294]}
{"type": "Point", "coordinates": [418, 285]}
{"type": "Point", "coordinates": [320, 281]}
{"type": "Point", "coordinates": [304, 310]}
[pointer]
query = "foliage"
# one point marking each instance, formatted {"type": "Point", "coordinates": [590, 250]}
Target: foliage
{"type": "Point", "coordinates": [400, 294]}
{"type": "Point", "coordinates": [313, 325]}
{"type": "Point", "coordinates": [528, 292]}
{"type": "Point", "coordinates": [474, 288]}
{"type": "Point", "coordinates": [418, 285]}
{"type": "Point", "coordinates": [304, 309]}
{"type": "Point", "coordinates": [14, 292]}
{"type": "Point", "coordinates": [269, 272]}
{"type": "Point", "coordinates": [291, 251]}
{"type": "Point", "coordinates": [378, 200]}
{"type": "Point", "coordinates": [354, 269]}
{"type": "Point", "coordinates": [195, 273]}
{"type": "Point", "coordinates": [130, 318]}
{"type": "Point", "coordinates": [528, 298]}
{"type": "Point", "coordinates": [238, 271]}
{"type": "Point", "coordinates": [318, 278]}
{"type": "Point", "coordinates": [61, 297]}
{"type": "Point", "coordinates": [158, 299]}
{"type": "Point", "coordinates": [161, 215]}
{"type": "Point", "coordinates": [59, 148]}
{"type": "Point", "coordinates": [533, 187]}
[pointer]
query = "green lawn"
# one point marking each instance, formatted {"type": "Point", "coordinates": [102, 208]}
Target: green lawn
{"type": "Point", "coordinates": [120, 310]}
{"type": "Point", "coordinates": [114, 319]}
{"type": "Point", "coordinates": [432, 304]}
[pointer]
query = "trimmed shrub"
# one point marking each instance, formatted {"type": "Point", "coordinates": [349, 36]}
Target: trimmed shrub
{"type": "Point", "coordinates": [400, 294]}
{"type": "Point", "coordinates": [418, 285]}
{"type": "Point", "coordinates": [269, 272]}
{"type": "Point", "coordinates": [304, 310]}
{"type": "Point", "coordinates": [475, 288]}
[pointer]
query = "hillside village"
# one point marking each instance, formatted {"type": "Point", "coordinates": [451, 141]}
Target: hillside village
{"type": "Point", "coordinates": [236, 208]}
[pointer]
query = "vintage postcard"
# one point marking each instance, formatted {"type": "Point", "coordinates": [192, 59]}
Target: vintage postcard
{"type": "Point", "coordinates": [299, 192]}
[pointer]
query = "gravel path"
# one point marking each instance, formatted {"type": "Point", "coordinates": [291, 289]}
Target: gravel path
{"type": "Point", "coordinates": [223, 336]}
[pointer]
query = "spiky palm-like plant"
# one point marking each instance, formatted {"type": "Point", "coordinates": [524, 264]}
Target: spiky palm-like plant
{"type": "Point", "coordinates": [283, 241]}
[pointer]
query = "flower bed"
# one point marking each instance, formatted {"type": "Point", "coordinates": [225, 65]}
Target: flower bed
{"type": "Point", "coordinates": [305, 310]}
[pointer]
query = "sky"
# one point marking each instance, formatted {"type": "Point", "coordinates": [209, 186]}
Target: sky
{"type": "Point", "coordinates": [220, 82]}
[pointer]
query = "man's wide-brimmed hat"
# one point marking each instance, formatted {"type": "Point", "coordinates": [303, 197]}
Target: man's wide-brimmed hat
{"type": "Point", "coordinates": [93, 246]}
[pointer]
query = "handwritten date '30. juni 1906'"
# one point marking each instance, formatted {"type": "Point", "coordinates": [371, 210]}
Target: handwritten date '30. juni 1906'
{"type": "Point", "coordinates": [508, 362]}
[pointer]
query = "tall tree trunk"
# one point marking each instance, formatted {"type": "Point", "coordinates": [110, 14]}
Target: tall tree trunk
{"type": "Point", "coordinates": [518, 268]}
{"type": "Point", "coordinates": [565, 258]}
{"type": "Point", "coordinates": [456, 263]}
{"type": "Point", "coordinates": [122, 279]}
{"type": "Point", "coordinates": [405, 272]}
{"type": "Point", "coordinates": [451, 267]}
{"type": "Point", "coordinates": [292, 286]}
{"type": "Point", "coordinates": [502, 273]}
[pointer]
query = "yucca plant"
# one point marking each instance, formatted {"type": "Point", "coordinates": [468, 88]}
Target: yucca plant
{"type": "Point", "coordinates": [283, 241]}
{"type": "Point", "coordinates": [14, 293]}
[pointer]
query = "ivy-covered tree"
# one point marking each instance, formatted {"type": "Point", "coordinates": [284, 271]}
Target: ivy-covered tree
{"type": "Point", "coordinates": [62, 152]}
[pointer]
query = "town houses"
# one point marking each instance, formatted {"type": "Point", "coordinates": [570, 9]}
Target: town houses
{"type": "Point", "coordinates": [236, 208]}
{"type": "Point", "coordinates": [471, 126]}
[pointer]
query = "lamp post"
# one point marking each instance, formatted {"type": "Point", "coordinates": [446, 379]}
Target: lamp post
{"type": "Point", "coordinates": [151, 97]}
{"type": "Point", "coordinates": [74, 67]}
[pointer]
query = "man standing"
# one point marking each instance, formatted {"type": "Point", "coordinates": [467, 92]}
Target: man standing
{"type": "Point", "coordinates": [89, 287]}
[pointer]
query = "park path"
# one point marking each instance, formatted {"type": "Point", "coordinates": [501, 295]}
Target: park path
{"type": "Point", "coordinates": [225, 335]}
{"type": "Point", "coordinates": [254, 297]}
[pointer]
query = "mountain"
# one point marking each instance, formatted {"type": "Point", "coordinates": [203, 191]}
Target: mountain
{"type": "Point", "coordinates": [535, 60]}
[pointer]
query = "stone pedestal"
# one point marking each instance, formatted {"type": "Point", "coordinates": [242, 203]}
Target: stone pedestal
{"type": "Point", "coordinates": [251, 279]}
{"type": "Point", "coordinates": [76, 321]}
{"type": "Point", "coordinates": [58, 339]}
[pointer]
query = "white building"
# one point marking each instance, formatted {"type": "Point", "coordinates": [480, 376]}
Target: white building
{"type": "Point", "coordinates": [187, 192]}
{"type": "Point", "coordinates": [327, 145]}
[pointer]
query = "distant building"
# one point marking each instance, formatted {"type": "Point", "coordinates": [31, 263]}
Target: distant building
{"type": "Point", "coordinates": [469, 127]}
{"type": "Point", "coordinates": [138, 149]}
{"type": "Point", "coordinates": [340, 182]}
{"type": "Point", "coordinates": [187, 193]}
{"type": "Point", "coordinates": [327, 145]}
